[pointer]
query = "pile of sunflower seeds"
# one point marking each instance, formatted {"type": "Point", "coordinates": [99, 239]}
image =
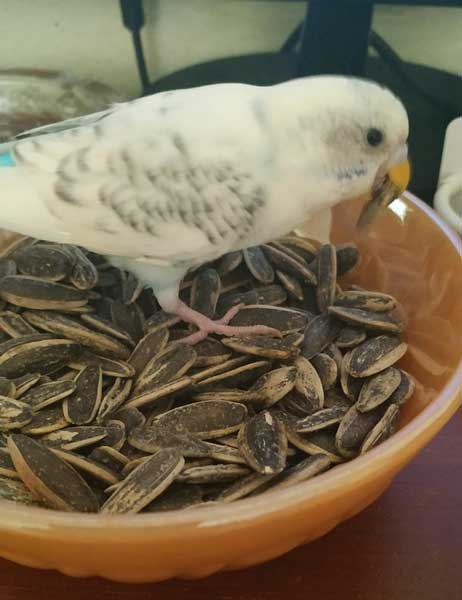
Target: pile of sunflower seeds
{"type": "Point", "coordinates": [102, 408]}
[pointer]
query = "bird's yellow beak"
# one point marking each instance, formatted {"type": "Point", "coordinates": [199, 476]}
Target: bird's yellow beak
{"type": "Point", "coordinates": [391, 187]}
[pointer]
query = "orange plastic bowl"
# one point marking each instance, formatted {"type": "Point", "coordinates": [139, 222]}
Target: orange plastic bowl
{"type": "Point", "coordinates": [408, 252]}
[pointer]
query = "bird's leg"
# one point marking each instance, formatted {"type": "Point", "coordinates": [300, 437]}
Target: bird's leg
{"type": "Point", "coordinates": [220, 326]}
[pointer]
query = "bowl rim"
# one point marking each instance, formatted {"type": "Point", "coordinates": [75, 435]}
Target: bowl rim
{"type": "Point", "coordinates": [13, 515]}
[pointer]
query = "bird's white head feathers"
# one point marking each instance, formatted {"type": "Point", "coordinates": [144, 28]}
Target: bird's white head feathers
{"type": "Point", "coordinates": [348, 131]}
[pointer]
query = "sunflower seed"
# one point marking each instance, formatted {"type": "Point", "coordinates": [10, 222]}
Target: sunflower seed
{"type": "Point", "coordinates": [7, 388]}
{"type": "Point", "coordinates": [318, 442]}
{"type": "Point", "coordinates": [47, 261]}
{"type": "Point", "coordinates": [291, 284]}
{"type": "Point", "coordinates": [240, 375]}
{"type": "Point", "coordinates": [258, 264]}
{"type": "Point", "coordinates": [308, 382]}
{"type": "Point", "coordinates": [404, 390]}
{"type": "Point", "coordinates": [173, 362]}
{"type": "Point", "coordinates": [211, 371]}
{"type": "Point", "coordinates": [73, 438]}
{"type": "Point", "coordinates": [370, 301]}
{"type": "Point", "coordinates": [14, 414]}
{"type": "Point", "coordinates": [24, 383]}
{"type": "Point", "coordinates": [32, 292]}
{"type": "Point", "coordinates": [109, 366]}
{"type": "Point", "coordinates": [267, 347]}
{"type": "Point", "coordinates": [82, 405]}
{"type": "Point", "coordinates": [263, 443]}
{"type": "Point", "coordinates": [116, 434]}
{"type": "Point", "coordinates": [131, 288]}
{"type": "Point", "coordinates": [347, 258]}
{"type": "Point", "coordinates": [243, 487]}
{"type": "Point", "coordinates": [302, 471]}
{"type": "Point", "coordinates": [286, 320]}
{"type": "Point", "coordinates": [159, 320]}
{"type": "Point", "coordinates": [205, 291]}
{"type": "Point", "coordinates": [354, 428]}
{"type": "Point", "coordinates": [327, 370]}
{"type": "Point", "coordinates": [382, 430]}
{"type": "Point", "coordinates": [332, 351]}
{"type": "Point", "coordinates": [44, 395]}
{"type": "Point", "coordinates": [7, 267]}
{"type": "Point", "coordinates": [114, 397]}
{"type": "Point", "coordinates": [111, 489]}
{"type": "Point", "coordinates": [129, 318]}
{"type": "Point", "coordinates": [299, 405]}
{"type": "Point", "coordinates": [109, 457]}
{"type": "Point", "coordinates": [210, 352]}
{"type": "Point", "coordinates": [375, 355]}
{"type": "Point", "coordinates": [273, 295]}
{"type": "Point", "coordinates": [228, 262]}
{"type": "Point", "coordinates": [240, 278]}
{"type": "Point", "coordinates": [84, 274]}
{"type": "Point", "coordinates": [212, 474]}
{"type": "Point", "coordinates": [49, 478]}
{"type": "Point", "coordinates": [319, 333]}
{"type": "Point", "coordinates": [286, 249]}
{"type": "Point", "coordinates": [349, 337]}
{"type": "Point", "coordinates": [351, 387]}
{"type": "Point", "coordinates": [301, 246]}
{"type": "Point", "coordinates": [232, 395]}
{"type": "Point", "coordinates": [87, 466]}
{"type": "Point", "coordinates": [271, 387]}
{"type": "Point", "coordinates": [327, 276]}
{"type": "Point", "coordinates": [155, 437]}
{"type": "Point", "coordinates": [367, 319]}
{"type": "Point", "coordinates": [132, 418]}
{"type": "Point", "coordinates": [176, 497]}
{"type": "Point", "coordinates": [16, 491]}
{"type": "Point", "coordinates": [335, 398]}
{"type": "Point", "coordinates": [105, 326]}
{"type": "Point", "coordinates": [41, 353]}
{"type": "Point", "coordinates": [7, 468]}
{"type": "Point", "coordinates": [145, 483]}
{"type": "Point", "coordinates": [46, 421]}
{"type": "Point", "coordinates": [227, 301]}
{"type": "Point", "coordinates": [205, 420]}
{"type": "Point", "coordinates": [228, 440]}
{"type": "Point", "coordinates": [14, 325]}
{"type": "Point", "coordinates": [160, 407]}
{"type": "Point", "coordinates": [149, 346]}
{"type": "Point", "coordinates": [157, 391]}
{"type": "Point", "coordinates": [284, 262]}
{"type": "Point", "coordinates": [75, 330]}
{"type": "Point", "coordinates": [18, 242]}
{"type": "Point", "coordinates": [223, 453]}
{"type": "Point", "coordinates": [378, 389]}
{"type": "Point", "coordinates": [322, 419]}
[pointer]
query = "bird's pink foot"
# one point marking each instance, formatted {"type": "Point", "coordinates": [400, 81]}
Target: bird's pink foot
{"type": "Point", "coordinates": [221, 327]}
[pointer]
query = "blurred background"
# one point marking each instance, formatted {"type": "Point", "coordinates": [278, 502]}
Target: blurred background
{"type": "Point", "coordinates": [414, 47]}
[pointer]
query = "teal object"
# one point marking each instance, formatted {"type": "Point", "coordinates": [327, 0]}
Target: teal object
{"type": "Point", "coordinates": [7, 160]}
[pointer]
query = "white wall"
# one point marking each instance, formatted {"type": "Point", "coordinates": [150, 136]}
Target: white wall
{"type": "Point", "coordinates": [86, 37]}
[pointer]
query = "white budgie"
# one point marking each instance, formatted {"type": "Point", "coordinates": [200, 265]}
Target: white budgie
{"type": "Point", "coordinates": [165, 183]}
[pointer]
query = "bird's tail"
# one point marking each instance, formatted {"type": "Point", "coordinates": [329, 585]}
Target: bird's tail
{"type": "Point", "coordinates": [22, 209]}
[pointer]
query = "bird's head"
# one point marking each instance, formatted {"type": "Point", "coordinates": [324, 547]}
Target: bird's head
{"type": "Point", "coordinates": [361, 132]}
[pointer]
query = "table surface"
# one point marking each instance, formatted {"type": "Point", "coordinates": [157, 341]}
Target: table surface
{"type": "Point", "coordinates": [407, 546]}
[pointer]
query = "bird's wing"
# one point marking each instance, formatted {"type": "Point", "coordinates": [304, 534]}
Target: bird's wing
{"type": "Point", "coordinates": [149, 185]}
{"type": "Point", "coordinates": [67, 124]}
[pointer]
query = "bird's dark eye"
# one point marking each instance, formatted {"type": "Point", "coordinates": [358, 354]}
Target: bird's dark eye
{"type": "Point", "coordinates": [374, 136]}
